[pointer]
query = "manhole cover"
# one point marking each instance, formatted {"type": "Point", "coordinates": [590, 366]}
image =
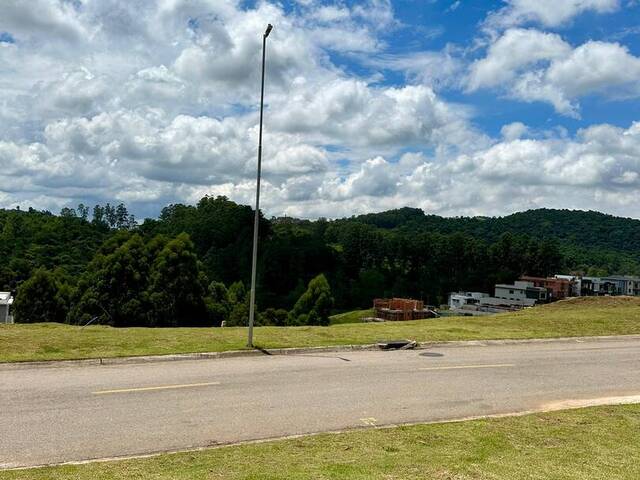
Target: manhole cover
{"type": "Point", "coordinates": [432, 354]}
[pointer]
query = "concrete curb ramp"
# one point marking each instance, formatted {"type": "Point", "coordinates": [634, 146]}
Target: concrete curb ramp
{"type": "Point", "coordinates": [293, 351]}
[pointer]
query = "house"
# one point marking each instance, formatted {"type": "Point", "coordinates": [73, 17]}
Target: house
{"type": "Point", "coordinates": [521, 290]}
{"type": "Point", "coordinates": [590, 286]}
{"type": "Point", "coordinates": [621, 285]}
{"type": "Point", "coordinates": [401, 309]}
{"type": "Point", "coordinates": [6, 301]}
{"type": "Point", "coordinates": [558, 288]}
{"type": "Point", "coordinates": [478, 303]}
{"type": "Point", "coordinates": [611, 285]}
{"type": "Point", "coordinates": [575, 282]}
{"type": "Point", "coordinates": [460, 299]}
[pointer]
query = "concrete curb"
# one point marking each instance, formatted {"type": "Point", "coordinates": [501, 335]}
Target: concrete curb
{"type": "Point", "coordinates": [297, 351]}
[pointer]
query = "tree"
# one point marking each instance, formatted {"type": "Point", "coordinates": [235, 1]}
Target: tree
{"type": "Point", "coordinates": [238, 305]}
{"type": "Point", "coordinates": [272, 316]}
{"type": "Point", "coordinates": [218, 305]}
{"type": "Point", "coordinates": [68, 212]}
{"type": "Point", "coordinates": [83, 211]}
{"type": "Point", "coordinates": [178, 287]}
{"type": "Point", "coordinates": [98, 215]}
{"type": "Point", "coordinates": [114, 287]}
{"type": "Point", "coordinates": [110, 215]}
{"type": "Point", "coordinates": [41, 298]}
{"type": "Point", "coordinates": [314, 306]}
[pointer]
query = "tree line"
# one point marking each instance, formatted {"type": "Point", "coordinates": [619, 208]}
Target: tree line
{"type": "Point", "coordinates": [191, 265]}
{"type": "Point", "coordinates": [154, 283]}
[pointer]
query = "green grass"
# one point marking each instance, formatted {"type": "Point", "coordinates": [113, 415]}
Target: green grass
{"type": "Point", "coordinates": [587, 444]}
{"type": "Point", "coordinates": [578, 317]}
{"type": "Point", "coordinates": [355, 316]}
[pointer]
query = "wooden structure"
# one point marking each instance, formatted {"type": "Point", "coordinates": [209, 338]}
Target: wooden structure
{"type": "Point", "coordinates": [401, 309]}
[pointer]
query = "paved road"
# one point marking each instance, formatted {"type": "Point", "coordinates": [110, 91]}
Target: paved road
{"type": "Point", "coordinates": [82, 412]}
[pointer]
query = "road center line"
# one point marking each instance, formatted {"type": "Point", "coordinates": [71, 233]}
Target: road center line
{"type": "Point", "coordinates": [460, 367]}
{"type": "Point", "coordinates": [147, 389]}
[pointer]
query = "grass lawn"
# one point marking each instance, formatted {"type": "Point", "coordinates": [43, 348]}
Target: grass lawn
{"type": "Point", "coordinates": [355, 316]}
{"type": "Point", "coordinates": [587, 444]}
{"type": "Point", "coordinates": [576, 317]}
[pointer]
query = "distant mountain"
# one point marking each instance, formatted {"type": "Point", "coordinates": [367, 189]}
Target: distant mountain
{"type": "Point", "coordinates": [590, 241]}
{"type": "Point", "coordinates": [587, 229]}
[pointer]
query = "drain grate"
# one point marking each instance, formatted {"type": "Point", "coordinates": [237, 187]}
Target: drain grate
{"type": "Point", "coordinates": [396, 344]}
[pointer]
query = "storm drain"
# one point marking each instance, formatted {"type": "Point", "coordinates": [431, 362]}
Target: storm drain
{"type": "Point", "coordinates": [396, 344]}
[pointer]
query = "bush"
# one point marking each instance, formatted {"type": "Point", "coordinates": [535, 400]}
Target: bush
{"type": "Point", "coordinates": [275, 317]}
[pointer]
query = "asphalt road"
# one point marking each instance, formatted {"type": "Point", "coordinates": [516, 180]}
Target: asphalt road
{"type": "Point", "coordinates": [50, 415]}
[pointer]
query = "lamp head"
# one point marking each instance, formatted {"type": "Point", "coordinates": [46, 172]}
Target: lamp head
{"type": "Point", "coordinates": [269, 28]}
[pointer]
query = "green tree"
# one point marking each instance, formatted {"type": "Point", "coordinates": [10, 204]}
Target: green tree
{"type": "Point", "coordinates": [114, 287]}
{"type": "Point", "coordinates": [272, 316]}
{"type": "Point", "coordinates": [178, 287]}
{"type": "Point", "coordinates": [41, 298]}
{"type": "Point", "coordinates": [238, 305]}
{"type": "Point", "coordinates": [218, 305]}
{"type": "Point", "coordinates": [314, 306]}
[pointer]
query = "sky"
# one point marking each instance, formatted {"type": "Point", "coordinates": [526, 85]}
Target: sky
{"type": "Point", "coordinates": [458, 107]}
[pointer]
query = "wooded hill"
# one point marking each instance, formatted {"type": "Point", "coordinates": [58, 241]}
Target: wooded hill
{"type": "Point", "coordinates": [590, 241]}
{"type": "Point", "coordinates": [395, 253]}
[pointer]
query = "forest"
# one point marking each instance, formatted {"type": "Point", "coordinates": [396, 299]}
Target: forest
{"type": "Point", "coordinates": [191, 265]}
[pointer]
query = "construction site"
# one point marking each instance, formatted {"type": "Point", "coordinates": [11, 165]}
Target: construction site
{"type": "Point", "coordinates": [401, 309]}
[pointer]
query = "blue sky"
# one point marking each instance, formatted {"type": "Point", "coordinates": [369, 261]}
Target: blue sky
{"type": "Point", "coordinates": [434, 25]}
{"type": "Point", "coordinates": [458, 107]}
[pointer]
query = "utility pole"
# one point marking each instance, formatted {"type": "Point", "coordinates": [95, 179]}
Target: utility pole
{"type": "Point", "coordinates": [256, 222]}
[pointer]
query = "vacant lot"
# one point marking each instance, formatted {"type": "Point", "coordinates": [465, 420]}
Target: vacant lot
{"type": "Point", "coordinates": [355, 316]}
{"type": "Point", "coordinates": [589, 444]}
{"type": "Point", "coordinates": [577, 317]}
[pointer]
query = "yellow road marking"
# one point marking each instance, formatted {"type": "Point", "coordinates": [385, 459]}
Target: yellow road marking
{"type": "Point", "coordinates": [148, 389]}
{"type": "Point", "coordinates": [459, 367]}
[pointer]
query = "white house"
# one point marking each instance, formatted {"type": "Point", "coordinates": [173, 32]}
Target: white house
{"type": "Point", "coordinates": [6, 301]}
{"type": "Point", "coordinates": [460, 299]}
{"type": "Point", "coordinates": [521, 290]}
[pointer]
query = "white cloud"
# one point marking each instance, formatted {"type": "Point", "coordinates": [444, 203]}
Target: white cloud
{"type": "Point", "coordinates": [530, 65]}
{"type": "Point", "coordinates": [597, 66]}
{"type": "Point", "coordinates": [599, 168]}
{"type": "Point", "coordinates": [27, 20]}
{"type": "Point", "coordinates": [374, 178]}
{"type": "Point", "coordinates": [156, 102]}
{"type": "Point", "coordinates": [435, 69]}
{"type": "Point", "coordinates": [513, 131]}
{"type": "Point", "coordinates": [513, 52]}
{"type": "Point", "coordinates": [548, 13]}
{"type": "Point", "coordinates": [600, 157]}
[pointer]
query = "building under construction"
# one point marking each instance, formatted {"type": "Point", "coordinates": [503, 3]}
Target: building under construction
{"type": "Point", "coordinates": [401, 309]}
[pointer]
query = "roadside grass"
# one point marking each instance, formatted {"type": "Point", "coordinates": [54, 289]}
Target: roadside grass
{"type": "Point", "coordinates": [569, 318]}
{"type": "Point", "coordinates": [586, 444]}
{"type": "Point", "coordinates": [354, 316]}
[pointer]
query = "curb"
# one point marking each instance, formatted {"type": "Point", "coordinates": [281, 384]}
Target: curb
{"type": "Point", "coordinates": [297, 351]}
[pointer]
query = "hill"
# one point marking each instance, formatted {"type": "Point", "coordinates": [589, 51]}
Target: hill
{"type": "Point", "coordinates": [401, 252]}
{"type": "Point", "coordinates": [589, 240]}
{"type": "Point", "coordinates": [583, 228]}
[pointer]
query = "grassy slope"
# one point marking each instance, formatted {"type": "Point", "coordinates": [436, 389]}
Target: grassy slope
{"type": "Point", "coordinates": [355, 316]}
{"type": "Point", "coordinates": [588, 444]}
{"type": "Point", "coordinates": [577, 317]}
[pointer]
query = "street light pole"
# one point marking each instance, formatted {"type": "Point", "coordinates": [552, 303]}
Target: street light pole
{"type": "Point", "coordinates": [256, 221]}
